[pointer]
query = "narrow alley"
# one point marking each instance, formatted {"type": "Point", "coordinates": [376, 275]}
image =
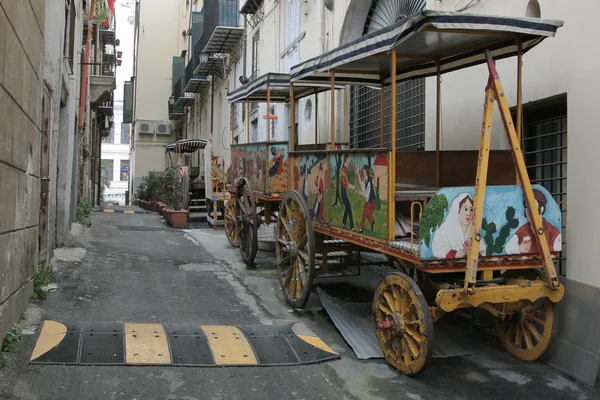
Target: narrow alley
{"type": "Point", "coordinates": [135, 268]}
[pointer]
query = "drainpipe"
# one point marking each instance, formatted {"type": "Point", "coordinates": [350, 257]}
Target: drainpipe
{"type": "Point", "coordinates": [212, 106]}
{"type": "Point", "coordinates": [86, 62]}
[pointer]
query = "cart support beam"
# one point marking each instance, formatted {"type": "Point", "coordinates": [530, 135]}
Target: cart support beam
{"type": "Point", "coordinates": [268, 112]}
{"type": "Point", "coordinates": [495, 92]}
{"type": "Point", "coordinates": [332, 109]}
{"type": "Point", "coordinates": [392, 161]}
{"type": "Point", "coordinates": [519, 95]}
{"type": "Point", "coordinates": [293, 118]}
{"type": "Point", "coordinates": [438, 124]}
{"type": "Point", "coordinates": [382, 99]}
{"type": "Point", "coordinates": [480, 186]}
{"type": "Point", "coordinates": [534, 215]}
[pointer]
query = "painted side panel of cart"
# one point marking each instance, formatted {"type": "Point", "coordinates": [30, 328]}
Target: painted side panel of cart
{"type": "Point", "coordinates": [446, 222]}
{"type": "Point", "coordinates": [276, 170]}
{"type": "Point", "coordinates": [310, 177]}
{"type": "Point", "coordinates": [256, 155]}
{"type": "Point", "coordinates": [238, 165]}
{"type": "Point", "coordinates": [358, 192]}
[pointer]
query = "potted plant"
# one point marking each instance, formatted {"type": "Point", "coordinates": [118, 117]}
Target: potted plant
{"type": "Point", "coordinates": [176, 216]}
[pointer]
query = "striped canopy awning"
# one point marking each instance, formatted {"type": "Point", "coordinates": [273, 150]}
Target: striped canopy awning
{"type": "Point", "coordinates": [256, 90]}
{"type": "Point", "coordinates": [454, 40]}
{"type": "Point", "coordinates": [186, 146]}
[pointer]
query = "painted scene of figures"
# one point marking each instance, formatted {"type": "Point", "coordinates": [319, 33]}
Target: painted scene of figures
{"type": "Point", "coordinates": [276, 169]}
{"type": "Point", "coordinates": [238, 166]}
{"type": "Point", "coordinates": [311, 179]}
{"type": "Point", "coordinates": [256, 158]}
{"type": "Point", "coordinates": [446, 223]}
{"type": "Point", "coordinates": [358, 192]}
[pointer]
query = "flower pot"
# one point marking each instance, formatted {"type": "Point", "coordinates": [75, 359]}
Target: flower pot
{"type": "Point", "coordinates": [177, 219]}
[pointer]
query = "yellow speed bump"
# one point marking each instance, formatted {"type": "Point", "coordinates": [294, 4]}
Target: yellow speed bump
{"type": "Point", "coordinates": [146, 344]}
{"type": "Point", "coordinates": [51, 335]}
{"type": "Point", "coordinates": [229, 345]}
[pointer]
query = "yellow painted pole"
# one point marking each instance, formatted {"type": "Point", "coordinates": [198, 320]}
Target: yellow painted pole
{"type": "Point", "coordinates": [332, 109]}
{"type": "Point", "coordinates": [382, 99]}
{"type": "Point", "coordinates": [247, 121]}
{"type": "Point", "coordinates": [515, 145]}
{"type": "Point", "coordinates": [480, 186]}
{"type": "Point", "coordinates": [316, 118]}
{"type": "Point", "coordinates": [346, 116]}
{"type": "Point", "coordinates": [392, 161]}
{"type": "Point", "coordinates": [519, 97]}
{"type": "Point", "coordinates": [293, 117]}
{"type": "Point", "coordinates": [232, 116]}
{"type": "Point", "coordinates": [438, 125]}
{"type": "Point", "coordinates": [268, 112]}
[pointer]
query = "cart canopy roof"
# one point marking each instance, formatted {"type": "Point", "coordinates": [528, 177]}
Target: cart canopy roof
{"type": "Point", "coordinates": [455, 40]}
{"type": "Point", "coordinates": [256, 89]}
{"type": "Point", "coordinates": [186, 146]}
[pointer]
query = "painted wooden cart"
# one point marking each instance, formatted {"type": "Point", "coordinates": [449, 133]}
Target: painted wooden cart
{"type": "Point", "coordinates": [454, 222]}
{"type": "Point", "coordinates": [216, 195]}
{"type": "Point", "coordinates": [258, 175]}
{"type": "Point", "coordinates": [188, 156]}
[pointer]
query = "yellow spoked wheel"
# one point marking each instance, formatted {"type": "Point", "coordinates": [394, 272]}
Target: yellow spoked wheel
{"type": "Point", "coordinates": [246, 221]}
{"type": "Point", "coordinates": [295, 249]}
{"type": "Point", "coordinates": [403, 323]}
{"type": "Point", "coordinates": [229, 222]}
{"type": "Point", "coordinates": [527, 334]}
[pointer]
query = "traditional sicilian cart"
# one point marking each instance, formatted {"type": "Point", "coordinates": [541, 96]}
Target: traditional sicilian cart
{"type": "Point", "coordinates": [258, 175]}
{"type": "Point", "coordinates": [187, 156]}
{"type": "Point", "coordinates": [459, 229]}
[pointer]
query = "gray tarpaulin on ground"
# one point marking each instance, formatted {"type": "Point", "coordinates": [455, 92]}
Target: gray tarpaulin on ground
{"type": "Point", "coordinates": [355, 323]}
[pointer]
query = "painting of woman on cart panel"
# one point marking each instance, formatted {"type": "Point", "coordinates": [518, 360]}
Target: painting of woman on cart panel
{"type": "Point", "coordinates": [505, 230]}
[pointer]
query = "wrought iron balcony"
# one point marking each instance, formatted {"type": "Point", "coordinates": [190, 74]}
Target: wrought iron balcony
{"type": "Point", "coordinates": [222, 32]}
{"type": "Point", "coordinates": [194, 83]}
{"type": "Point", "coordinates": [181, 97]}
{"type": "Point", "coordinates": [175, 112]}
{"type": "Point", "coordinates": [250, 6]}
{"type": "Point", "coordinates": [209, 64]}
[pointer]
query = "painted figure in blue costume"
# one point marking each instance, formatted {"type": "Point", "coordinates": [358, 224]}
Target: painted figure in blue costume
{"type": "Point", "coordinates": [276, 162]}
{"type": "Point", "coordinates": [304, 173]}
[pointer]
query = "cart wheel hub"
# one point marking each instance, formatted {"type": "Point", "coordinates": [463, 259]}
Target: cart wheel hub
{"type": "Point", "coordinates": [292, 249]}
{"type": "Point", "coordinates": [395, 325]}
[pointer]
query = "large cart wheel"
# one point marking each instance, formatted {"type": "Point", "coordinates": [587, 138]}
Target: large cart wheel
{"type": "Point", "coordinates": [246, 225]}
{"type": "Point", "coordinates": [403, 323]}
{"type": "Point", "coordinates": [527, 334]}
{"type": "Point", "coordinates": [229, 217]}
{"type": "Point", "coordinates": [295, 249]}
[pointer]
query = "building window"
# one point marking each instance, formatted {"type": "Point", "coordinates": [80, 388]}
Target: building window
{"type": "Point", "coordinates": [365, 116]}
{"type": "Point", "coordinates": [111, 137]}
{"type": "Point", "coordinates": [125, 133]}
{"type": "Point", "coordinates": [69, 45]}
{"type": "Point", "coordinates": [124, 174]}
{"type": "Point", "coordinates": [544, 143]}
{"type": "Point", "coordinates": [107, 169]}
{"type": "Point", "coordinates": [365, 103]}
{"type": "Point", "coordinates": [255, 54]}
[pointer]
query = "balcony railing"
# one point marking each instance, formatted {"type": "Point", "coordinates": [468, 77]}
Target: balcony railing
{"type": "Point", "coordinates": [175, 112]}
{"type": "Point", "coordinates": [181, 97]}
{"type": "Point", "coordinates": [194, 83]}
{"type": "Point", "coordinates": [222, 32]}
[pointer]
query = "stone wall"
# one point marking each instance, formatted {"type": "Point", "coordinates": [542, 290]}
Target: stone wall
{"type": "Point", "coordinates": [21, 57]}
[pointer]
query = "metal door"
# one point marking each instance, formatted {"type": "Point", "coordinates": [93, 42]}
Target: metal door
{"type": "Point", "coordinates": [44, 174]}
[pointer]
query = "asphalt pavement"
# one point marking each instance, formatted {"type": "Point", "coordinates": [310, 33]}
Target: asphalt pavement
{"type": "Point", "coordinates": [135, 268]}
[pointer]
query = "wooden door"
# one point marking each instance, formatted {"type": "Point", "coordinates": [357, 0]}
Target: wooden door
{"type": "Point", "coordinates": [44, 174]}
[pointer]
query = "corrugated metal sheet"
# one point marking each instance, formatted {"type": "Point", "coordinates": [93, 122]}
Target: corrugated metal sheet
{"type": "Point", "coordinates": [355, 323]}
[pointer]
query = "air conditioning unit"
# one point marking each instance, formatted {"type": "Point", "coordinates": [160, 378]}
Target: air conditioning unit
{"type": "Point", "coordinates": [146, 128]}
{"type": "Point", "coordinates": [163, 129]}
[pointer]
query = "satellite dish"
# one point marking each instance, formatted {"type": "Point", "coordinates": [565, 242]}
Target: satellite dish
{"type": "Point", "coordinates": [328, 4]}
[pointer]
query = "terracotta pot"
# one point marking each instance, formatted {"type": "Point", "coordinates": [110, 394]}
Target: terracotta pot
{"type": "Point", "coordinates": [177, 219]}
